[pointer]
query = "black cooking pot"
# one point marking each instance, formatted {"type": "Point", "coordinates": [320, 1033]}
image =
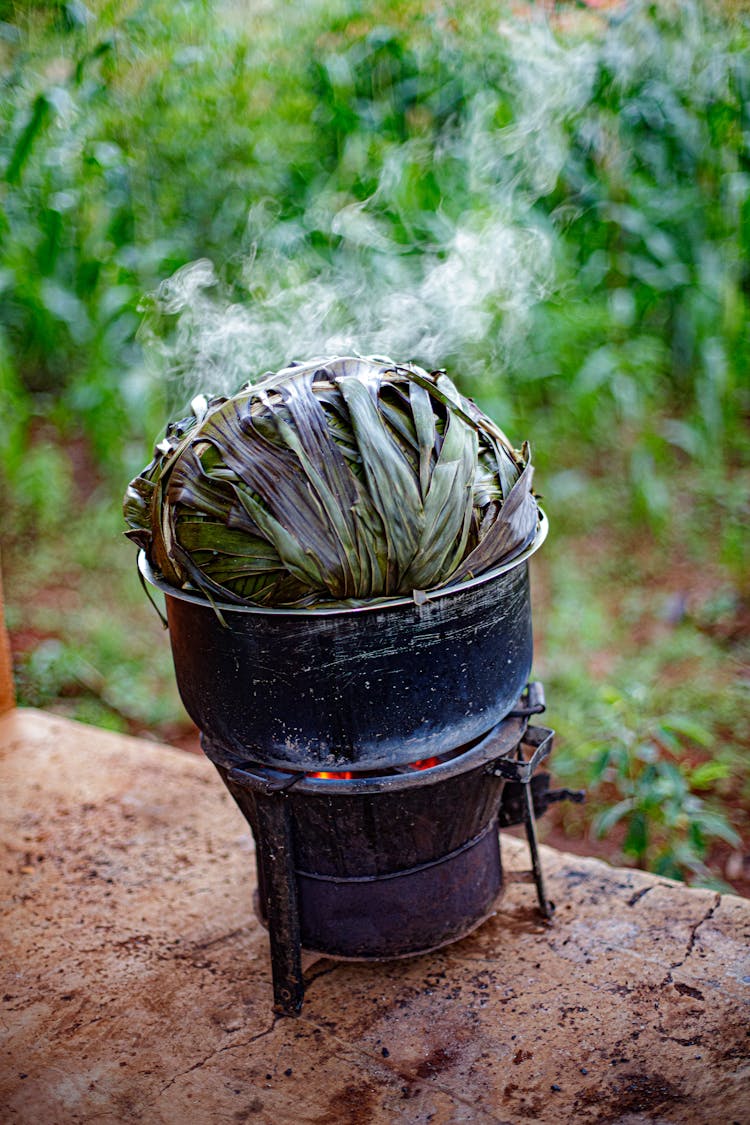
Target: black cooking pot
{"type": "Point", "coordinates": [385, 684]}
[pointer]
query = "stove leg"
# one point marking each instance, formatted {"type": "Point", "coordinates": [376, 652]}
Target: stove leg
{"type": "Point", "coordinates": [277, 858]}
{"type": "Point", "coordinates": [545, 905]}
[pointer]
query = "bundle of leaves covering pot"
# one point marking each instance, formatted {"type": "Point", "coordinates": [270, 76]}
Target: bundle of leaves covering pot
{"type": "Point", "coordinates": [335, 481]}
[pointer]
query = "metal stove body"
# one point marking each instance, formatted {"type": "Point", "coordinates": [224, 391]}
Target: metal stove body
{"type": "Point", "coordinates": [390, 862]}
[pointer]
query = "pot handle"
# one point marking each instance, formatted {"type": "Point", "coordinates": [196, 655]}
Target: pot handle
{"type": "Point", "coordinates": [147, 592]}
{"type": "Point", "coordinates": [532, 701]}
{"type": "Point", "coordinates": [258, 783]}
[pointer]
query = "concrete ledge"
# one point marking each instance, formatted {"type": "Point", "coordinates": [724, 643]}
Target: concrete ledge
{"type": "Point", "coordinates": [137, 980]}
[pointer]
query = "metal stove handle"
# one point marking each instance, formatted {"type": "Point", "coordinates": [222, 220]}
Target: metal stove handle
{"type": "Point", "coordinates": [513, 803]}
{"type": "Point", "coordinates": [521, 806]}
{"type": "Point", "coordinates": [516, 769]}
{"type": "Point", "coordinates": [532, 701]}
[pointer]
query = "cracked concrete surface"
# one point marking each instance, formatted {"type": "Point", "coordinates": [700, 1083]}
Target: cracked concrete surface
{"type": "Point", "coordinates": [137, 980]}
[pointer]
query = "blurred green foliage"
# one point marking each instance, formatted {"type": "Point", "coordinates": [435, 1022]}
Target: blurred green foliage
{"type": "Point", "coordinates": [140, 136]}
{"type": "Point", "coordinates": [641, 764]}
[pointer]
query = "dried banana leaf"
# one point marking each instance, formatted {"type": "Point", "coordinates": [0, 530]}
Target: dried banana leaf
{"type": "Point", "coordinates": [339, 480]}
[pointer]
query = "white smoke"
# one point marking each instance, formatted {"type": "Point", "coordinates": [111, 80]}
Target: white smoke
{"type": "Point", "coordinates": [467, 290]}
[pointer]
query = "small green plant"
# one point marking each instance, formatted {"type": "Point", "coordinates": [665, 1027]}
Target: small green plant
{"type": "Point", "coordinates": [647, 766]}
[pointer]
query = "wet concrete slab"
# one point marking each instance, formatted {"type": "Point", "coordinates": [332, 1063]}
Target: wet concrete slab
{"type": "Point", "coordinates": [137, 986]}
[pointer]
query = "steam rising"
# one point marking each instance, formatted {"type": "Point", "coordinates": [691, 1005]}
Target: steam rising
{"type": "Point", "coordinates": [459, 293]}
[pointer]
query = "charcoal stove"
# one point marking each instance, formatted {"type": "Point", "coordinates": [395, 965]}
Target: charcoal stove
{"type": "Point", "coordinates": [391, 862]}
{"type": "Point", "coordinates": [375, 751]}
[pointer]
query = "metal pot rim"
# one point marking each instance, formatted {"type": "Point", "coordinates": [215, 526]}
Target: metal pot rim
{"type": "Point", "coordinates": [328, 611]}
{"type": "Point", "coordinates": [497, 743]}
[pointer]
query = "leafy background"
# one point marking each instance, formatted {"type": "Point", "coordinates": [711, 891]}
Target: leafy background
{"type": "Point", "coordinates": [551, 202]}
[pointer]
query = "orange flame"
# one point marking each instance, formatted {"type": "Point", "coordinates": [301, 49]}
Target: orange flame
{"type": "Point", "coordinates": [347, 775]}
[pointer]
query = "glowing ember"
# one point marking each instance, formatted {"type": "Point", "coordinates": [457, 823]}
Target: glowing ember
{"type": "Point", "coordinates": [422, 764]}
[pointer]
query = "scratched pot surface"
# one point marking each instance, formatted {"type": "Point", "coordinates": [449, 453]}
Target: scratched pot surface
{"type": "Point", "coordinates": [137, 980]}
{"type": "Point", "coordinates": [386, 686]}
